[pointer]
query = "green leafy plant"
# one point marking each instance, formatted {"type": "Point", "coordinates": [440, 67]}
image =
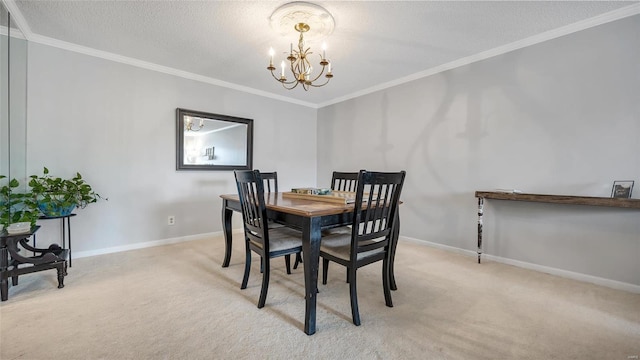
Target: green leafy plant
{"type": "Point", "coordinates": [56, 196]}
{"type": "Point", "coordinates": [16, 207]}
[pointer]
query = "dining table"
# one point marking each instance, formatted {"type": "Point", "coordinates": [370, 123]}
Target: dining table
{"type": "Point", "coordinates": [311, 217]}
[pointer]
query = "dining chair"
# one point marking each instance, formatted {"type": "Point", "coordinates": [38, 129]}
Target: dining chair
{"type": "Point", "coordinates": [371, 237]}
{"type": "Point", "coordinates": [270, 180]}
{"type": "Point", "coordinates": [259, 238]}
{"type": "Point", "coordinates": [340, 181]}
{"type": "Point", "coordinates": [344, 181]}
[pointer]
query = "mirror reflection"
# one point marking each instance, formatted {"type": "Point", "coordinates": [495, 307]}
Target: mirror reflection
{"type": "Point", "coordinates": [213, 142]}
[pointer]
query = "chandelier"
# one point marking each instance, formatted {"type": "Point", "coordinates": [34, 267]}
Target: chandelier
{"type": "Point", "coordinates": [302, 17]}
{"type": "Point", "coordinates": [190, 126]}
{"type": "Point", "coordinates": [300, 65]}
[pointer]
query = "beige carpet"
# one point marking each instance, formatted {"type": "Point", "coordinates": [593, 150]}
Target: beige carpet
{"type": "Point", "coordinates": [177, 302]}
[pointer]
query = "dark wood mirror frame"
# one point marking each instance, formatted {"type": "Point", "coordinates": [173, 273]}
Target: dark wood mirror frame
{"type": "Point", "coordinates": [221, 122]}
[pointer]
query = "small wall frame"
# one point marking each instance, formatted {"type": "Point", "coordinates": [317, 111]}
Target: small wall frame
{"type": "Point", "coordinates": [622, 189]}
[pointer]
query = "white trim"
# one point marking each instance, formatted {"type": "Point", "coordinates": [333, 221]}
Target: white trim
{"type": "Point", "coordinates": [16, 15]}
{"type": "Point", "coordinates": [143, 245]}
{"type": "Point", "coordinates": [614, 284]}
{"type": "Point", "coordinates": [160, 68]}
{"type": "Point", "coordinates": [549, 35]}
{"type": "Point", "coordinates": [536, 39]}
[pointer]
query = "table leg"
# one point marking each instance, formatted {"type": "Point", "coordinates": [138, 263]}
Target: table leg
{"type": "Point", "coordinates": [480, 213]}
{"type": "Point", "coordinates": [311, 237]}
{"type": "Point", "coordinates": [4, 276]}
{"type": "Point", "coordinates": [226, 229]}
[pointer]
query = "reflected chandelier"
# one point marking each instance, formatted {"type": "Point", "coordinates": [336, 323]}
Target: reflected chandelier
{"type": "Point", "coordinates": [190, 126]}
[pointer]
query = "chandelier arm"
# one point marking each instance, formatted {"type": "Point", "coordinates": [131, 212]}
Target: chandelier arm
{"type": "Point", "coordinates": [295, 83]}
{"type": "Point", "coordinates": [284, 82]}
{"type": "Point", "coordinates": [325, 83]}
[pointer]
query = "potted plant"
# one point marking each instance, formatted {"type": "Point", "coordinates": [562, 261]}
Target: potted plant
{"type": "Point", "coordinates": [56, 196]}
{"type": "Point", "coordinates": [16, 207]}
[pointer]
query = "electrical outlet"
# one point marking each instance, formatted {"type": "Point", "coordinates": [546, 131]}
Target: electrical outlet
{"type": "Point", "coordinates": [171, 220]}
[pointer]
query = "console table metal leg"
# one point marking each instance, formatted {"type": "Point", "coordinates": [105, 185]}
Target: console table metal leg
{"type": "Point", "coordinates": [480, 213]}
{"type": "Point", "coordinates": [68, 236]}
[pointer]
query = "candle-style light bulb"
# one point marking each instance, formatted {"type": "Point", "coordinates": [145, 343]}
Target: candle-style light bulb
{"type": "Point", "coordinates": [324, 50]}
{"type": "Point", "coordinates": [271, 52]}
{"type": "Point", "coordinates": [329, 69]}
{"type": "Point", "coordinates": [282, 65]}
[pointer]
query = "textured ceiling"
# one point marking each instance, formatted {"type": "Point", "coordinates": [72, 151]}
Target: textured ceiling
{"type": "Point", "coordinates": [374, 43]}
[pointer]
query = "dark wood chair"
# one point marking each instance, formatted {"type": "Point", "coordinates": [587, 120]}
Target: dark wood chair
{"type": "Point", "coordinates": [268, 243]}
{"type": "Point", "coordinates": [270, 181]}
{"type": "Point", "coordinates": [340, 181]}
{"type": "Point", "coordinates": [371, 237]}
{"type": "Point", "coordinates": [344, 181]}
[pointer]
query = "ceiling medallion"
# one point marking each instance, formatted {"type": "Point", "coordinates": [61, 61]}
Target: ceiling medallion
{"type": "Point", "coordinates": [305, 18]}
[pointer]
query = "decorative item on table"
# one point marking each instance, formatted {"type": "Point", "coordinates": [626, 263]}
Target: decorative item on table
{"type": "Point", "coordinates": [19, 228]}
{"type": "Point", "coordinates": [311, 191]}
{"type": "Point", "coordinates": [622, 189]}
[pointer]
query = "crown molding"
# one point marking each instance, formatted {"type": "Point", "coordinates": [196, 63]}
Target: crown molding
{"type": "Point", "coordinates": [159, 68]}
{"type": "Point", "coordinates": [16, 15]}
{"type": "Point", "coordinates": [614, 15]}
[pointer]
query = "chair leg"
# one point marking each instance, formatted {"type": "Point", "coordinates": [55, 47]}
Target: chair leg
{"type": "Point", "coordinates": [386, 275]}
{"type": "Point", "coordinates": [247, 268]}
{"type": "Point", "coordinates": [354, 297]}
{"type": "Point", "coordinates": [261, 265]}
{"type": "Point", "coordinates": [287, 262]}
{"type": "Point", "coordinates": [265, 284]}
{"type": "Point", "coordinates": [298, 260]}
{"type": "Point", "coordinates": [325, 270]}
{"type": "Point", "coordinates": [14, 280]}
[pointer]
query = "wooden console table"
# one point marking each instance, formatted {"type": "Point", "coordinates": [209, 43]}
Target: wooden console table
{"type": "Point", "coordinates": [552, 199]}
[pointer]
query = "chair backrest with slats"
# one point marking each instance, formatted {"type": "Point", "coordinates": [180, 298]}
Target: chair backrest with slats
{"type": "Point", "coordinates": [344, 181]}
{"type": "Point", "coordinates": [270, 180]}
{"type": "Point", "coordinates": [377, 198]}
{"type": "Point", "coordinates": [254, 210]}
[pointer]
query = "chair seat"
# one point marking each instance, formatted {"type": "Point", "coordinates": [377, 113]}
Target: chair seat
{"type": "Point", "coordinates": [337, 230]}
{"type": "Point", "coordinates": [339, 245]}
{"type": "Point", "coordinates": [282, 238]}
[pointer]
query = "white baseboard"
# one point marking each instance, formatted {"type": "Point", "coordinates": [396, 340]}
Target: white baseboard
{"type": "Point", "coordinates": [614, 284]}
{"type": "Point", "coordinates": [115, 249]}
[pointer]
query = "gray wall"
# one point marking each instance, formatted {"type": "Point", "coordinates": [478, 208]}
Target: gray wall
{"type": "Point", "coordinates": [560, 117]}
{"type": "Point", "coordinates": [115, 124]}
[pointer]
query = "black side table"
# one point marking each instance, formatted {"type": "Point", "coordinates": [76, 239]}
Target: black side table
{"type": "Point", "coordinates": [13, 264]}
{"type": "Point", "coordinates": [66, 231]}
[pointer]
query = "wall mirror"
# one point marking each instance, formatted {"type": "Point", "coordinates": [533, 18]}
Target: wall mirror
{"type": "Point", "coordinates": [213, 142]}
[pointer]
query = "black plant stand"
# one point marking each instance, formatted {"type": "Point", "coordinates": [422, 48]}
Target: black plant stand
{"type": "Point", "coordinates": [13, 264]}
{"type": "Point", "coordinates": [66, 231]}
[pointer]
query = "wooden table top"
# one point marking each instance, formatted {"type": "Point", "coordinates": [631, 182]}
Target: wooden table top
{"type": "Point", "coordinates": [562, 199]}
{"type": "Point", "coordinates": [303, 207]}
